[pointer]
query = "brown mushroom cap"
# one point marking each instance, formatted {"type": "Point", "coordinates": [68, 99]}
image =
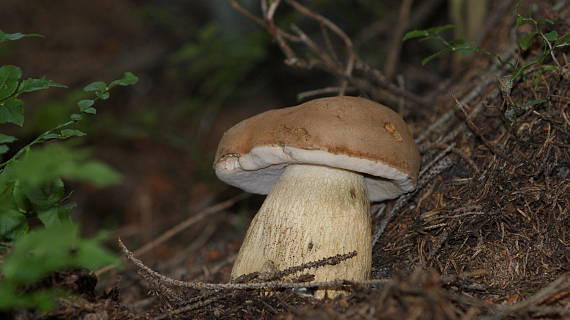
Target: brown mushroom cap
{"type": "Point", "coordinates": [349, 133]}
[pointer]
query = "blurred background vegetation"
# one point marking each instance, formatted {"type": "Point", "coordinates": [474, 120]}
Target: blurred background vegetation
{"type": "Point", "coordinates": [202, 67]}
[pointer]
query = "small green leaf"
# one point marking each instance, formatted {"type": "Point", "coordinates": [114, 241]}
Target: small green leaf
{"type": "Point", "coordinates": [95, 86]}
{"type": "Point", "coordinates": [128, 79]}
{"type": "Point", "coordinates": [525, 42]}
{"type": "Point", "coordinates": [30, 85]}
{"type": "Point", "coordinates": [9, 77]}
{"type": "Point", "coordinates": [6, 138]}
{"type": "Point", "coordinates": [427, 32]}
{"type": "Point", "coordinates": [103, 95]}
{"type": "Point", "coordinates": [56, 215]}
{"type": "Point", "coordinates": [439, 29]}
{"type": "Point", "coordinates": [42, 165]}
{"type": "Point", "coordinates": [3, 148]}
{"type": "Point", "coordinates": [522, 20]}
{"type": "Point", "coordinates": [16, 36]}
{"type": "Point", "coordinates": [66, 133]}
{"type": "Point", "coordinates": [551, 36]}
{"type": "Point", "coordinates": [96, 173]}
{"type": "Point", "coordinates": [435, 55]}
{"type": "Point", "coordinates": [415, 34]}
{"type": "Point", "coordinates": [563, 41]}
{"type": "Point", "coordinates": [90, 110]}
{"type": "Point", "coordinates": [75, 117]}
{"type": "Point", "coordinates": [50, 136]}
{"type": "Point", "coordinates": [45, 195]}
{"type": "Point", "coordinates": [12, 224]}
{"type": "Point", "coordinates": [85, 104]}
{"type": "Point", "coordinates": [12, 111]}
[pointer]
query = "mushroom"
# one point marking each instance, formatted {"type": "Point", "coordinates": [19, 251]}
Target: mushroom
{"type": "Point", "coordinates": [320, 163]}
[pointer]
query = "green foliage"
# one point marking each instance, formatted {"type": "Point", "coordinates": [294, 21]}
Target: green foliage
{"type": "Point", "coordinates": [35, 254]}
{"type": "Point", "coordinates": [31, 188]}
{"type": "Point", "coordinates": [550, 40]}
{"type": "Point", "coordinates": [460, 46]}
{"type": "Point", "coordinates": [222, 70]}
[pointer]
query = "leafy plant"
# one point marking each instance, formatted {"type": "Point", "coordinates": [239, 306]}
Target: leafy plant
{"type": "Point", "coordinates": [32, 189]}
{"type": "Point", "coordinates": [551, 41]}
{"type": "Point", "coordinates": [461, 46]}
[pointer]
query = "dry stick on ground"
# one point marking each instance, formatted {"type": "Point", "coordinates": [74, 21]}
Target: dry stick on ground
{"type": "Point", "coordinates": [242, 286]}
{"type": "Point", "coordinates": [180, 227]}
{"type": "Point", "coordinates": [533, 303]}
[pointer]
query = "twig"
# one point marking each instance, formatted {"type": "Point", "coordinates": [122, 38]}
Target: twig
{"type": "Point", "coordinates": [314, 264]}
{"type": "Point", "coordinates": [187, 308]}
{"type": "Point", "coordinates": [180, 227]}
{"type": "Point", "coordinates": [487, 79]}
{"type": "Point", "coordinates": [396, 42]}
{"type": "Point", "coordinates": [240, 286]}
{"type": "Point", "coordinates": [325, 58]}
{"type": "Point", "coordinates": [328, 90]}
{"type": "Point", "coordinates": [560, 284]}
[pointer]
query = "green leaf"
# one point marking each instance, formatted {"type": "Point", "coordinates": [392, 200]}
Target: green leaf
{"type": "Point", "coordinates": [46, 195]}
{"type": "Point", "coordinates": [4, 148]}
{"type": "Point", "coordinates": [96, 173]}
{"type": "Point", "coordinates": [435, 55]}
{"type": "Point", "coordinates": [50, 136]}
{"type": "Point", "coordinates": [90, 110]}
{"type": "Point", "coordinates": [56, 215]}
{"type": "Point", "coordinates": [47, 163]}
{"type": "Point", "coordinates": [439, 29]}
{"type": "Point", "coordinates": [16, 36]}
{"type": "Point", "coordinates": [83, 104]}
{"type": "Point", "coordinates": [551, 36]}
{"type": "Point", "coordinates": [6, 138]}
{"type": "Point", "coordinates": [12, 111]}
{"type": "Point", "coordinates": [95, 86]}
{"type": "Point", "coordinates": [30, 85]}
{"type": "Point", "coordinates": [563, 41]}
{"type": "Point", "coordinates": [426, 32]}
{"type": "Point", "coordinates": [66, 133]}
{"type": "Point", "coordinates": [76, 117]}
{"type": "Point", "coordinates": [415, 34]}
{"type": "Point", "coordinates": [9, 77]}
{"type": "Point", "coordinates": [522, 20]}
{"type": "Point", "coordinates": [12, 224]}
{"type": "Point", "coordinates": [128, 79]}
{"type": "Point", "coordinates": [54, 248]}
{"type": "Point", "coordinates": [525, 42]}
{"type": "Point", "coordinates": [103, 95]}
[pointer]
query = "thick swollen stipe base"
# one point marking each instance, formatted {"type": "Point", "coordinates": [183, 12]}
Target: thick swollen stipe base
{"type": "Point", "coordinates": [312, 212]}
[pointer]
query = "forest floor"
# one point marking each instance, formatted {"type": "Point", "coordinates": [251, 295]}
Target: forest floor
{"type": "Point", "coordinates": [485, 236]}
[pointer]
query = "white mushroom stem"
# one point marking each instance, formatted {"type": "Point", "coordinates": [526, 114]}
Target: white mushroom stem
{"type": "Point", "coordinates": [313, 212]}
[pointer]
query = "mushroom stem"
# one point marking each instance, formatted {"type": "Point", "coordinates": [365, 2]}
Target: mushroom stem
{"type": "Point", "coordinates": [312, 212]}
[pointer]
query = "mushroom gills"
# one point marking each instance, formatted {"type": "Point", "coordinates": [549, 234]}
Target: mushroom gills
{"type": "Point", "coordinates": [312, 212]}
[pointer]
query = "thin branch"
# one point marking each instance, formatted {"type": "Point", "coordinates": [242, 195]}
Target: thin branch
{"type": "Point", "coordinates": [240, 286]}
{"type": "Point", "coordinates": [323, 91]}
{"type": "Point", "coordinates": [180, 227]}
